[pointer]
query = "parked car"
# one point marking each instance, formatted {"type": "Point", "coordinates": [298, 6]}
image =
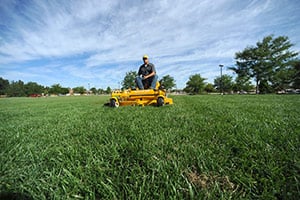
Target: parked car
{"type": "Point", "coordinates": [35, 95]}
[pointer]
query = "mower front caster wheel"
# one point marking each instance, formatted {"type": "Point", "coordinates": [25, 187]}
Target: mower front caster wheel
{"type": "Point", "coordinates": [113, 103]}
{"type": "Point", "coordinates": [160, 101]}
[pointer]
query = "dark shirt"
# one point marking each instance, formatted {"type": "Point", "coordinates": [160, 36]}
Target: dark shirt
{"type": "Point", "coordinates": [146, 69]}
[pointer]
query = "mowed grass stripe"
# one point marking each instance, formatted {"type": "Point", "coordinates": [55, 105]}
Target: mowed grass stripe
{"type": "Point", "coordinates": [201, 147]}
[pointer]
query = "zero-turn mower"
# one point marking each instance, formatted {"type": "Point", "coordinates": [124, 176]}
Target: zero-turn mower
{"type": "Point", "coordinates": [137, 97]}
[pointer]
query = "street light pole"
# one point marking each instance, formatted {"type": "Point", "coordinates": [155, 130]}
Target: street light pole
{"type": "Point", "coordinates": [221, 87]}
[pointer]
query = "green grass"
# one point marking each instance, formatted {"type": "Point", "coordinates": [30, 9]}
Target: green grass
{"type": "Point", "coordinates": [202, 147]}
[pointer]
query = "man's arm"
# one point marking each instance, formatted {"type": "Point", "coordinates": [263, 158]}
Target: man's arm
{"type": "Point", "coordinates": [152, 73]}
{"type": "Point", "coordinates": [139, 72]}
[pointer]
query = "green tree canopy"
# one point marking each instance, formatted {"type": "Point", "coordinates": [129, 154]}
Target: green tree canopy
{"type": "Point", "coordinates": [16, 89]}
{"type": "Point", "coordinates": [269, 63]}
{"type": "Point", "coordinates": [167, 82]}
{"type": "Point", "coordinates": [108, 90]}
{"type": "Point", "coordinates": [58, 89]}
{"type": "Point", "coordinates": [101, 91]}
{"type": "Point", "coordinates": [93, 90]}
{"type": "Point", "coordinates": [296, 75]}
{"type": "Point", "coordinates": [209, 88]}
{"type": "Point", "coordinates": [79, 89]}
{"type": "Point", "coordinates": [225, 84]}
{"type": "Point", "coordinates": [4, 84]}
{"type": "Point", "coordinates": [242, 83]}
{"type": "Point", "coordinates": [195, 84]}
{"type": "Point", "coordinates": [129, 80]}
{"type": "Point", "coordinates": [33, 88]}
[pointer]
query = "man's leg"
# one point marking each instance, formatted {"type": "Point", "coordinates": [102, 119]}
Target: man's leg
{"type": "Point", "coordinates": [139, 82]}
{"type": "Point", "coordinates": [154, 80]}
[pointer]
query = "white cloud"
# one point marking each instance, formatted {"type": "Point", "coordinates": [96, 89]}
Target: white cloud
{"type": "Point", "coordinates": [113, 35]}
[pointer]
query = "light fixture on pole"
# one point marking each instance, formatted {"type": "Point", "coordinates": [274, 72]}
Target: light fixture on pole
{"type": "Point", "coordinates": [221, 87]}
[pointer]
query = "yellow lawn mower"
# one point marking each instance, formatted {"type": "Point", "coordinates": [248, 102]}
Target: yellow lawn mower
{"type": "Point", "coordinates": [137, 97]}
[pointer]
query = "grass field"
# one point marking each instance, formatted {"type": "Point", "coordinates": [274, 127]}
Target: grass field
{"type": "Point", "coordinates": [202, 147]}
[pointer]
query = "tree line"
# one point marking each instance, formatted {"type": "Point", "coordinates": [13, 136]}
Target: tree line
{"type": "Point", "coordinates": [21, 89]}
{"type": "Point", "coordinates": [270, 64]}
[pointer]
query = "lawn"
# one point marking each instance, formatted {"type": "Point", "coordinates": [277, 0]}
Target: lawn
{"type": "Point", "coordinates": [202, 147]}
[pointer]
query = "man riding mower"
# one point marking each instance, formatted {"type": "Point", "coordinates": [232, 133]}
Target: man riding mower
{"type": "Point", "coordinates": [149, 91]}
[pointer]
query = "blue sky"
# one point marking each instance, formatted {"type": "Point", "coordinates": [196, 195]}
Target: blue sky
{"type": "Point", "coordinates": [93, 43]}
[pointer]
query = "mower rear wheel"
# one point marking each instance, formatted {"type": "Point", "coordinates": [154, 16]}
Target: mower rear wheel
{"type": "Point", "coordinates": [160, 101]}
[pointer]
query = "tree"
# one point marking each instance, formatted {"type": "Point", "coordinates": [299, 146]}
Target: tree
{"type": "Point", "coordinates": [224, 85]}
{"type": "Point", "coordinates": [209, 88]}
{"type": "Point", "coordinates": [46, 90]}
{"type": "Point", "coordinates": [195, 85]}
{"type": "Point", "coordinates": [296, 75]}
{"type": "Point", "coordinates": [269, 62]}
{"type": "Point", "coordinates": [108, 90]}
{"type": "Point", "coordinates": [4, 85]}
{"type": "Point", "coordinates": [242, 83]}
{"type": "Point", "coordinates": [167, 82]}
{"type": "Point", "coordinates": [129, 80]}
{"type": "Point", "coordinates": [94, 90]}
{"type": "Point", "coordinates": [33, 88]}
{"type": "Point", "coordinates": [16, 89]}
{"type": "Point", "coordinates": [79, 89]}
{"type": "Point", "coordinates": [282, 79]}
{"type": "Point", "coordinates": [101, 91]}
{"type": "Point", "coordinates": [58, 89]}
